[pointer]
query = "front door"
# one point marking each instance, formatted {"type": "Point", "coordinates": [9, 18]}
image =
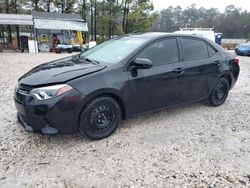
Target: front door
{"type": "Point", "coordinates": [161, 85]}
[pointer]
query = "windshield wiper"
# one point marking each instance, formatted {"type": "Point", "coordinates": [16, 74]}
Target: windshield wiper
{"type": "Point", "coordinates": [91, 61]}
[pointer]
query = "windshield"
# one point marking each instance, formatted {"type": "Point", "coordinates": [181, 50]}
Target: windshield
{"type": "Point", "coordinates": [114, 50]}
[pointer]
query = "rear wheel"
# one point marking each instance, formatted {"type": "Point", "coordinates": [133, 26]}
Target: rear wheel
{"type": "Point", "coordinates": [219, 93]}
{"type": "Point", "coordinates": [100, 118]}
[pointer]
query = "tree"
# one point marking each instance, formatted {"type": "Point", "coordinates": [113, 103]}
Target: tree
{"type": "Point", "coordinates": [125, 15]}
{"type": "Point", "coordinates": [91, 19]}
{"type": "Point", "coordinates": [69, 6]}
{"type": "Point", "coordinates": [136, 15]}
{"type": "Point", "coordinates": [60, 4]}
{"type": "Point", "coordinates": [107, 18]}
{"type": "Point", "coordinates": [8, 11]}
{"type": "Point", "coordinates": [84, 11]}
{"type": "Point", "coordinates": [48, 5]}
{"type": "Point", "coordinates": [35, 4]}
{"type": "Point", "coordinates": [191, 15]}
{"type": "Point", "coordinates": [233, 23]}
{"type": "Point", "coordinates": [95, 17]}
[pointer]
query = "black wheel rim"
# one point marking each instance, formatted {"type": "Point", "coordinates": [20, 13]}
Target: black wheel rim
{"type": "Point", "coordinates": [101, 118]}
{"type": "Point", "coordinates": [220, 92]}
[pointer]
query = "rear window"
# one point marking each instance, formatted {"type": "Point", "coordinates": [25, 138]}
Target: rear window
{"type": "Point", "coordinates": [193, 49]}
{"type": "Point", "coordinates": [211, 50]}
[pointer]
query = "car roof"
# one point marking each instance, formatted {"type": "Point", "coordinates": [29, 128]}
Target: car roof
{"type": "Point", "coordinates": [151, 36]}
{"type": "Point", "coordinates": [155, 35]}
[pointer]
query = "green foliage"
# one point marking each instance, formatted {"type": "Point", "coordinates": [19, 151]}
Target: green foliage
{"type": "Point", "coordinates": [248, 37]}
{"type": "Point", "coordinates": [115, 17]}
{"type": "Point", "coordinates": [233, 23]}
{"type": "Point", "coordinates": [139, 18]}
{"type": "Point", "coordinates": [106, 21]}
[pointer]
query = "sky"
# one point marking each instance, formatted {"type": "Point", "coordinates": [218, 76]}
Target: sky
{"type": "Point", "coordinates": [220, 4]}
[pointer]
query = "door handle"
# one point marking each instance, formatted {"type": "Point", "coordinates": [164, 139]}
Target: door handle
{"type": "Point", "coordinates": [179, 70]}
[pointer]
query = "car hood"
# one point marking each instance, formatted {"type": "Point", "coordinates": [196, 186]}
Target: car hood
{"type": "Point", "coordinates": [59, 71]}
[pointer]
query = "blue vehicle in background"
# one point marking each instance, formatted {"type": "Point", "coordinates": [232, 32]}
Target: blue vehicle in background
{"type": "Point", "coordinates": [243, 49]}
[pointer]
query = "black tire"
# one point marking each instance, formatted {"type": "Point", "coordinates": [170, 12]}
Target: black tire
{"type": "Point", "coordinates": [219, 93]}
{"type": "Point", "coordinates": [69, 51]}
{"type": "Point", "coordinates": [100, 118]}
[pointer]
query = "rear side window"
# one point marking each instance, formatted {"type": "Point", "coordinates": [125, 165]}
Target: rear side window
{"type": "Point", "coordinates": [162, 52]}
{"type": "Point", "coordinates": [193, 49]}
{"type": "Point", "coordinates": [211, 50]}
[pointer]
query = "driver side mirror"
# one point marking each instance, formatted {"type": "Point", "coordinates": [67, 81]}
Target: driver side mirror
{"type": "Point", "coordinates": [142, 63]}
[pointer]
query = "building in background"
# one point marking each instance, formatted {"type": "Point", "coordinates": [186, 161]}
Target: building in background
{"type": "Point", "coordinates": [44, 26]}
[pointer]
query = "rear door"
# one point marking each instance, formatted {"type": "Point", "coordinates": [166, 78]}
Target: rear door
{"type": "Point", "coordinates": [202, 62]}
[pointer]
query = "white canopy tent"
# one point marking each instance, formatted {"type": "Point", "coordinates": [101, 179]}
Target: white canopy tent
{"type": "Point", "coordinates": [53, 24]}
{"type": "Point", "coordinates": [59, 21]}
{"type": "Point", "coordinates": [47, 24]}
{"type": "Point", "coordinates": [46, 21]}
{"type": "Point", "coordinates": [15, 19]}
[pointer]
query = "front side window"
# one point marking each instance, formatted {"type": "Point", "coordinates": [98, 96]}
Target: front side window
{"type": "Point", "coordinates": [193, 49]}
{"type": "Point", "coordinates": [161, 52]}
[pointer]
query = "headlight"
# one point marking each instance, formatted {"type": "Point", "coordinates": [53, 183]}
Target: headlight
{"type": "Point", "coordinates": [48, 92]}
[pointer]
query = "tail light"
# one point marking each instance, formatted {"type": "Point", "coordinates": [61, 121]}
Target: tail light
{"type": "Point", "coordinates": [237, 61]}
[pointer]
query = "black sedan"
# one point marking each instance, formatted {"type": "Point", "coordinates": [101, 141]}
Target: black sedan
{"type": "Point", "coordinates": [123, 77]}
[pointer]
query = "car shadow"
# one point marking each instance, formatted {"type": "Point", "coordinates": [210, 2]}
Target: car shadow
{"type": "Point", "coordinates": [166, 112]}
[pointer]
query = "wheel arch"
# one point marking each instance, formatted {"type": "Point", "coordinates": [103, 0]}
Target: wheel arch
{"type": "Point", "coordinates": [228, 77]}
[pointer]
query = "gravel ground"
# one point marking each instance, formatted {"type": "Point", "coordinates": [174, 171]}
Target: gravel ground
{"type": "Point", "coordinates": [187, 146]}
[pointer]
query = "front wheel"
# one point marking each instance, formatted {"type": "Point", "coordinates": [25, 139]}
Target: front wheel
{"type": "Point", "coordinates": [100, 118]}
{"type": "Point", "coordinates": [219, 93]}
